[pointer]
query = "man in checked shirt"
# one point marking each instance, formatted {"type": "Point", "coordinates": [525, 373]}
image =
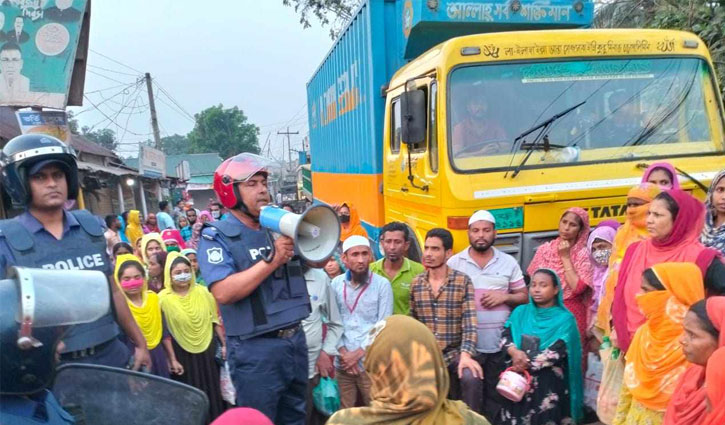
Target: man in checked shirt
{"type": "Point", "coordinates": [443, 300]}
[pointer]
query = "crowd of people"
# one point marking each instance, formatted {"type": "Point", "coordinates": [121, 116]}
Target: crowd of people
{"type": "Point", "coordinates": [207, 296]}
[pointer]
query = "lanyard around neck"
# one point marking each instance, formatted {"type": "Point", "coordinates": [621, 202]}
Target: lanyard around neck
{"type": "Point", "coordinates": [344, 293]}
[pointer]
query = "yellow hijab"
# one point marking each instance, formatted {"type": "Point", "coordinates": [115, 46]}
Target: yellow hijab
{"type": "Point", "coordinates": [148, 315]}
{"type": "Point", "coordinates": [655, 359]}
{"type": "Point", "coordinates": [190, 318]}
{"type": "Point", "coordinates": [145, 241]}
{"type": "Point", "coordinates": [134, 231]}
{"type": "Point", "coordinates": [633, 230]}
{"type": "Point", "coordinates": [409, 380]}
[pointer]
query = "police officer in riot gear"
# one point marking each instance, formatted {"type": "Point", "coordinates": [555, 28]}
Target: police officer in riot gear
{"type": "Point", "coordinates": [40, 173]}
{"type": "Point", "coordinates": [262, 295]}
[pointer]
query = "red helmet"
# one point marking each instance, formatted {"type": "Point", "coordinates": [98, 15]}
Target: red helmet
{"type": "Point", "coordinates": [237, 169]}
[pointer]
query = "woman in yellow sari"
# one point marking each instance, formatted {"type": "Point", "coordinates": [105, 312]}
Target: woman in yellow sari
{"type": "Point", "coordinates": [134, 231]}
{"type": "Point", "coordinates": [655, 359]}
{"type": "Point", "coordinates": [129, 275]}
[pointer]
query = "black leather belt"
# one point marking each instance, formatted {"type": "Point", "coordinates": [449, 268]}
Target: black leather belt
{"type": "Point", "coordinates": [283, 333]}
{"type": "Point", "coordinates": [86, 352]}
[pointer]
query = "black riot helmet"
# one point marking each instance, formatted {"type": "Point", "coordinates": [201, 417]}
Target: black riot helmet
{"type": "Point", "coordinates": [27, 154]}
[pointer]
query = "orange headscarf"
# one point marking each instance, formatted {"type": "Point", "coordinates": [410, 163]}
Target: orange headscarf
{"type": "Point", "coordinates": [688, 406]}
{"type": "Point", "coordinates": [655, 359]}
{"type": "Point", "coordinates": [354, 227]}
{"type": "Point", "coordinates": [715, 387]}
{"type": "Point", "coordinates": [634, 229]}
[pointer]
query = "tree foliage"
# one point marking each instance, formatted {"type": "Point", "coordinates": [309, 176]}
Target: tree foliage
{"type": "Point", "coordinates": [105, 137]}
{"type": "Point", "coordinates": [175, 144]}
{"type": "Point", "coordinates": [335, 13]}
{"type": "Point", "coordinates": [226, 131]}
{"type": "Point", "coordinates": [706, 18]}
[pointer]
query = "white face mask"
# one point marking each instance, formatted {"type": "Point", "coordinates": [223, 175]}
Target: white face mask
{"type": "Point", "coordinates": [602, 256]}
{"type": "Point", "coordinates": [182, 277]}
{"type": "Point", "coordinates": [215, 214]}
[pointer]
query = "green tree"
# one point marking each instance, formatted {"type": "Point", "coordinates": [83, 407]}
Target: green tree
{"type": "Point", "coordinates": [706, 18]}
{"type": "Point", "coordinates": [225, 131]}
{"type": "Point", "coordinates": [105, 137]}
{"type": "Point", "coordinates": [73, 123]}
{"type": "Point", "coordinates": [335, 13]}
{"type": "Point", "coordinates": [176, 144]}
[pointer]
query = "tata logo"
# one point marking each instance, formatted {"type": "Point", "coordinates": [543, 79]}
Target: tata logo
{"type": "Point", "coordinates": [607, 211]}
{"type": "Point", "coordinates": [259, 252]}
{"type": "Point", "coordinates": [78, 263]}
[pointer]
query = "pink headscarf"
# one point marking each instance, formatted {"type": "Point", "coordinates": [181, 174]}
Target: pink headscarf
{"type": "Point", "coordinates": [599, 274]}
{"type": "Point", "coordinates": [662, 166]}
{"type": "Point", "coordinates": [206, 214]}
{"type": "Point", "coordinates": [242, 415]}
{"type": "Point", "coordinates": [682, 245]}
{"type": "Point", "coordinates": [547, 255]}
{"type": "Point", "coordinates": [175, 235]}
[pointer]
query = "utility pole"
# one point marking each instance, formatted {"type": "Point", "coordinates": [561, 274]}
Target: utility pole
{"type": "Point", "coordinates": [152, 107]}
{"type": "Point", "coordinates": [289, 144]}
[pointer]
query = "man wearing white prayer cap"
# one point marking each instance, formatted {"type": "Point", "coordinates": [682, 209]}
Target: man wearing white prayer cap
{"type": "Point", "coordinates": [499, 286]}
{"type": "Point", "coordinates": [364, 299]}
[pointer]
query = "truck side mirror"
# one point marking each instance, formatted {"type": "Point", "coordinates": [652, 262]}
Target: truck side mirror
{"type": "Point", "coordinates": [412, 105]}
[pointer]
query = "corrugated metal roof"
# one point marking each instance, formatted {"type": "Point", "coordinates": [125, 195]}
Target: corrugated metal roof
{"type": "Point", "coordinates": [200, 163]}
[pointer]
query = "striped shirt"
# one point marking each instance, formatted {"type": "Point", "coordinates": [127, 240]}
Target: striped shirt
{"type": "Point", "coordinates": [450, 313]}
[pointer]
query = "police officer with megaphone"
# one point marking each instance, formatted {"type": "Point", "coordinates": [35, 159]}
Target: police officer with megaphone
{"type": "Point", "coordinates": [262, 299]}
{"type": "Point", "coordinates": [40, 173]}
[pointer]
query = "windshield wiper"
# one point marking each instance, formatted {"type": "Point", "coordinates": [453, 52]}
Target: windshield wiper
{"type": "Point", "coordinates": [545, 127]}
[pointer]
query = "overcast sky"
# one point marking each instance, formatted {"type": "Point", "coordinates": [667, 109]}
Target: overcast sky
{"type": "Point", "coordinates": [250, 53]}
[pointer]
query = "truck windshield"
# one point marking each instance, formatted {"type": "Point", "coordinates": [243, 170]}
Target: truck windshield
{"type": "Point", "coordinates": [633, 108]}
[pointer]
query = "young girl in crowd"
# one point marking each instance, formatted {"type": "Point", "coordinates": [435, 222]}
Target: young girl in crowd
{"type": "Point", "coordinates": [661, 174]}
{"type": "Point", "coordinates": [144, 306]}
{"type": "Point", "coordinates": [155, 269]}
{"type": "Point", "coordinates": [191, 314]}
{"type": "Point", "coordinates": [655, 361]}
{"type": "Point", "coordinates": [569, 257]}
{"type": "Point", "coordinates": [702, 336]}
{"type": "Point", "coordinates": [134, 232]}
{"type": "Point", "coordinates": [713, 235]}
{"type": "Point", "coordinates": [184, 228]}
{"type": "Point", "coordinates": [333, 267]}
{"type": "Point", "coordinates": [151, 225]}
{"type": "Point", "coordinates": [555, 395]}
{"type": "Point", "coordinates": [120, 249]}
{"type": "Point", "coordinates": [191, 255]}
{"type": "Point", "coordinates": [151, 244]}
{"type": "Point", "coordinates": [172, 238]}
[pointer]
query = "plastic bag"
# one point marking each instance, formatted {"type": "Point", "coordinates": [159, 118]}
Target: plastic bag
{"type": "Point", "coordinates": [592, 380]}
{"type": "Point", "coordinates": [229, 394]}
{"type": "Point", "coordinates": [612, 375]}
{"type": "Point", "coordinates": [326, 396]}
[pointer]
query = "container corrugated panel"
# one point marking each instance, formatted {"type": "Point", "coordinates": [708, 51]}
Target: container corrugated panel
{"type": "Point", "coordinates": [345, 105]}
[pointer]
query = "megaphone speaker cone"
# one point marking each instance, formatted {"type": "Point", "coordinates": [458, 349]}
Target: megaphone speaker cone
{"type": "Point", "coordinates": [316, 232]}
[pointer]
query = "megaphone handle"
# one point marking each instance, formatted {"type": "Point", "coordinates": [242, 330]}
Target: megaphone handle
{"type": "Point", "coordinates": [270, 239]}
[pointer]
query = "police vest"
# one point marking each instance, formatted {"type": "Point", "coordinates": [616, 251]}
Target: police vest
{"type": "Point", "coordinates": [280, 301]}
{"type": "Point", "coordinates": [84, 250]}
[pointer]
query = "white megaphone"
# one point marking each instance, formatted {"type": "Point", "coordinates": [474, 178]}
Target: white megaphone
{"type": "Point", "coordinates": [316, 231]}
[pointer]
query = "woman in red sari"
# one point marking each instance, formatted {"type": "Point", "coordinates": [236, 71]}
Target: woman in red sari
{"type": "Point", "coordinates": [674, 222]}
{"type": "Point", "coordinates": [568, 256]}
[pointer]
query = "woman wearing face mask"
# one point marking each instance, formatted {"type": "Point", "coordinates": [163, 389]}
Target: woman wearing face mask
{"type": "Point", "coordinates": [144, 306]}
{"type": "Point", "coordinates": [674, 222]}
{"type": "Point", "coordinates": [600, 244]}
{"type": "Point", "coordinates": [703, 325]}
{"type": "Point", "coordinates": [172, 238]}
{"type": "Point", "coordinates": [661, 174]}
{"type": "Point", "coordinates": [655, 361]}
{"type": "Point", "coordinates": [349, 221]}
{"type": "Point", "coordinates": [191, 314]}
{"type": "Point", "coordinates": [713, 235]}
